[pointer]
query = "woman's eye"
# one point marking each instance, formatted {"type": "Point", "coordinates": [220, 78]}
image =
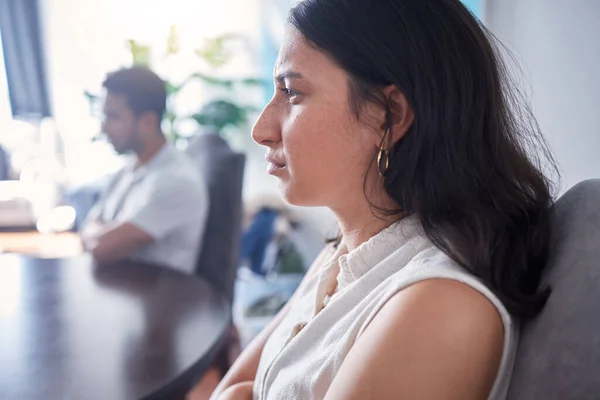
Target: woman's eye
{"type": "Point", "coordinates": [289, 92]}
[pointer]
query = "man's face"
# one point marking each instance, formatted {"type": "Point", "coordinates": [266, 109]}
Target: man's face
{"type": "Point", "coordinates": [120, 124]}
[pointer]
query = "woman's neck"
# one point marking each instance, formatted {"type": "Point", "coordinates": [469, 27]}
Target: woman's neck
{"type": "Point", "coordinates": [359, 234]}
{"type": "Point", "coordinates": [359, 224]}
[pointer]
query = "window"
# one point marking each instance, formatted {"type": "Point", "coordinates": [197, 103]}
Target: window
{"type": "Point", "coordinates": [476, 6]}
{"type": "Point", "coordinates": [5, 111]}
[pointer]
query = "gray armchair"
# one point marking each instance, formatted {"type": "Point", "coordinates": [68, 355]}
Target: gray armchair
{"type": "Point", "coordinates": [559, 351]}
{"type": "Point", "coordinates": [223, 170]}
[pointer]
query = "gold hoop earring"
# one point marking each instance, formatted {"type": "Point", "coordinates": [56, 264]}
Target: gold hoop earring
{"type": "Point", "coordinates": [383, 161]}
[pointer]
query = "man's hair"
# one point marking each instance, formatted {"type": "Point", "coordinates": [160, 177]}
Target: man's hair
{"type": "Point", "coordinates": [142, 88]}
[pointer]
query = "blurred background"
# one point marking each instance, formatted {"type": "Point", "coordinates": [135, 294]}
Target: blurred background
{"type": "Point", "coordinates": [57, 52]}
{"type": "Point", "coordinates": [217, 58]}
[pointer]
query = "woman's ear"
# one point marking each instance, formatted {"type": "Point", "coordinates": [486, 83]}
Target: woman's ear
{"type": "Point", "coordinates": [402, 114]}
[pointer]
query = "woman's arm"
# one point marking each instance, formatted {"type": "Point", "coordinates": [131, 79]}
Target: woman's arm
{"type": "Point", "coordinates": [239, 391]}
{"type": "Point", "coordinates": [244, 368]}
{"type": "Point", "coordinates": [437, 339]}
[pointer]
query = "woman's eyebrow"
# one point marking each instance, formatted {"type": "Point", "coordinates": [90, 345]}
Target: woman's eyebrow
{"type": "Point", "coordinates": [288, 75]}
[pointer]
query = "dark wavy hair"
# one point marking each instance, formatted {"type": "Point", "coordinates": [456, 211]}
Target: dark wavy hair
{"type": "Point", "coordinates": [470, 166]}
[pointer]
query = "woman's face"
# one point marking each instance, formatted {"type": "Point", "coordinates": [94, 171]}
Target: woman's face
{"type": "Point", "coordinates": [317, 148]}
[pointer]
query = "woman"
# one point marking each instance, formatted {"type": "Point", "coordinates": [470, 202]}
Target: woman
{"type": "Point", "coordinates": [398, 115]}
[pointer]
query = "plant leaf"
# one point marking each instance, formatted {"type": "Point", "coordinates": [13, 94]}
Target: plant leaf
{"type": "Point", "coordinates": [140, 53]}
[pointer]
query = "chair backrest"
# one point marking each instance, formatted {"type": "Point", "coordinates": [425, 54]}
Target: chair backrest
{"type": "Point", "coordinates": [559, 351]}
{"type": "Point", "coordinates": [223, 170]}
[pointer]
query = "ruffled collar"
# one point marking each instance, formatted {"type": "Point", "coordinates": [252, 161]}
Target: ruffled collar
{"type": "Point", "coordinates": [344, 268]}
{"type": "Point", "coordinates": [353, 265]}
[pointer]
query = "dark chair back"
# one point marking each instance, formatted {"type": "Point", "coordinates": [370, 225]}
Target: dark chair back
{"type": "Point", "coordinates": [223, 170]}
{"type": "Point", "coordinates": [559, 351]}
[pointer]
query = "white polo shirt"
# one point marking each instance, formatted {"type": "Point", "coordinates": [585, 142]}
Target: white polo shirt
{"type": "Point", "coordinates": [166, 198]}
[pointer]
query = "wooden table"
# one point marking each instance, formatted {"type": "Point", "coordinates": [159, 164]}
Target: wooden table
{"type": "Point", "coordinates": [73, 330]}
{"type": "Point", "coordinates": [41, 245]}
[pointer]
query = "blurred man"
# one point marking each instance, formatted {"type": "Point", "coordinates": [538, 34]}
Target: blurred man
{"type": "Point", "coordinates": [154, 210]}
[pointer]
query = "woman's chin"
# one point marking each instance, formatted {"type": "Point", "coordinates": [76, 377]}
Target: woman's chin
{"type": "Point", "coordinates": [287, 193]}
{"type": "Point", "coordinates": [296, 197]}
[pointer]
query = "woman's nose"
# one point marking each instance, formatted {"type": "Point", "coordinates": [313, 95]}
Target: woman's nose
{"type": "Point", "coordinates": [266, 130]}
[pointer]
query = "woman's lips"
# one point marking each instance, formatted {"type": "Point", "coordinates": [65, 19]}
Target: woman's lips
{"type": "Point", "coordinates": [275, 166]}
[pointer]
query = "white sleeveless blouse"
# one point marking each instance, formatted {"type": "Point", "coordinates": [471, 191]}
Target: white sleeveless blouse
{"type": "Point", "coordinates": [304, 353]}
